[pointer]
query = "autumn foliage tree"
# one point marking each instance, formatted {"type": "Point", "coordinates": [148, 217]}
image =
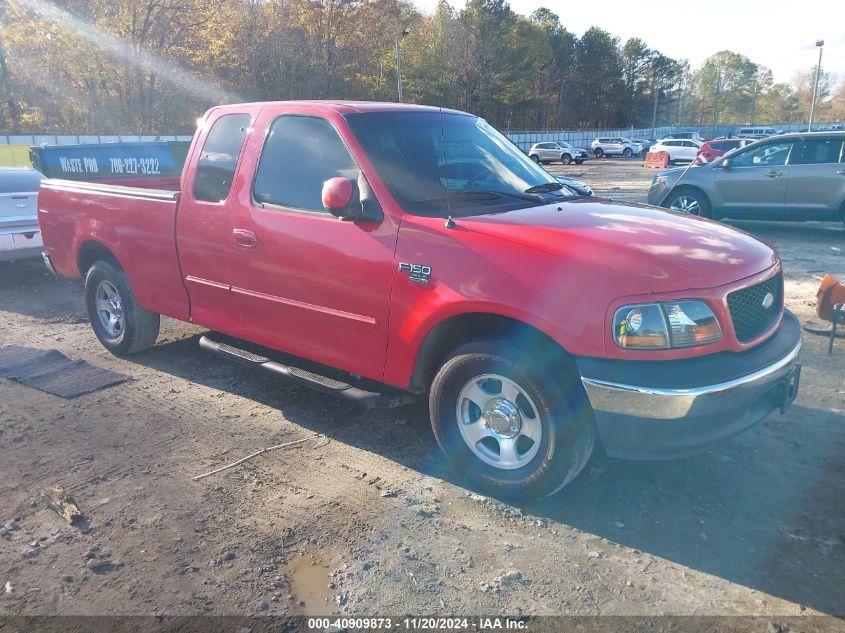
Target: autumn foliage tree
{"type": "Point", "coordinates": [153, 66]}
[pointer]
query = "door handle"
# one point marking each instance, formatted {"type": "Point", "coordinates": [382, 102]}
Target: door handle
{"type": "Point", "coordinates": [244, 238]}
{"type": "Point", "coordinates": [774, 174]}
{"type": "Point", "coordinates": [841, 172]}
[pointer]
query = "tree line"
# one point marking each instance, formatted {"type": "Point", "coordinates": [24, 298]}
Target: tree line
{"type": "Point", "coordinates": [153, 66]}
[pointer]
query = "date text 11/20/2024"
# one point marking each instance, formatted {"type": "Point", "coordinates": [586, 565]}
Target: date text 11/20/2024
{"type": "Point", "coordinates": [418, 624]}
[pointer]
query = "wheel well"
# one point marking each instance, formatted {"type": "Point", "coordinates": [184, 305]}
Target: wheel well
{"type": "Point", "coordinates": [91, 252]}
{"type": "Point", "coordinates": [693, 188]}
{"type": "Point", "coordinates": [476, 326]}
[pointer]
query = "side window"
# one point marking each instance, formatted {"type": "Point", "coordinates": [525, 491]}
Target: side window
{"type": "Point", "coordinates": [299, 155]}
{"type": "Point", "coordinates": [768, 155]}
{"type": "Point", "coordinates": [818, 151]}
{"type": "Point", "coordinates": [219, 157]}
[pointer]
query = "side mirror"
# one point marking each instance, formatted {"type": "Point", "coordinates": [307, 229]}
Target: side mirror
{"type": "Point", "coordinates": [725, 163]}
{"type": "Point", "coordinates": [337, 196]}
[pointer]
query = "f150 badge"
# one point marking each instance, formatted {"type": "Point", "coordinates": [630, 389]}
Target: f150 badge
{"type": "Point", "coordinates": [417, 273]}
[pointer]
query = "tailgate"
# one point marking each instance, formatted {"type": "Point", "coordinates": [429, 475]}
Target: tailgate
{"type": "Point", "coordinates": [17, 209]}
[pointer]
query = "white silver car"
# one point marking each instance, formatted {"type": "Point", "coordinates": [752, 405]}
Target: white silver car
{"type": "Point", "coordinates": [615, 146]}
{"type": "Point", "coordinates": [20, 236]}
{"type": "Point", "coordinates": [552, 151]}
{"type": "Point", "coordinates": [678, 149]}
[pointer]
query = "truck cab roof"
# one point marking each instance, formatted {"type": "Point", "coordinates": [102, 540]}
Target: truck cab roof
{"type": "Point", "coordinates": [342, 106]}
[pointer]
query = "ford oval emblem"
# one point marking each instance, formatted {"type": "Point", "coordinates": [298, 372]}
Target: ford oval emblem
{"type": "Point", "coordinates": [768, 300]}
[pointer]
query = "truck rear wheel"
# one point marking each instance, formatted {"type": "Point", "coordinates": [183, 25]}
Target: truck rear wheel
{"type": "Point", "coordinates": [517, 429]}
{"type": "Point", "coordinates": [121, 325]}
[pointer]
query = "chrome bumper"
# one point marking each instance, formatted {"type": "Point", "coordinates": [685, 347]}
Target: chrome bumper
{"type": "Point", "coordinates": [667, 418]}
{"type": "Point", "coordinates": [675, 404]}
{"type": "Point", "coordinates": [19, 242]}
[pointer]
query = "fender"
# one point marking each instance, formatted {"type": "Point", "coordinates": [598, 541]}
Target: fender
{"type": "Point", "coordinates": [410, 343]}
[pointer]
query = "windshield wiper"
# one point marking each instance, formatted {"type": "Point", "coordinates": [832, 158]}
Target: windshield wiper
{"type": "Point", "coordinates": [546, 186]}
{"type": "Point", "coordinates": [485, 194]}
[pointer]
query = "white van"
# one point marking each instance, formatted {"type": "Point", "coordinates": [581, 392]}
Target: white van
{"type": "Point", "coordinates": [756, 132]}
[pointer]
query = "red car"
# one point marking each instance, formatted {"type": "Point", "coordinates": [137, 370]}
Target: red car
{"type": "Point", "coordinates": [719, 147]}
{"type": "Point", "coordinates": [391, 251]}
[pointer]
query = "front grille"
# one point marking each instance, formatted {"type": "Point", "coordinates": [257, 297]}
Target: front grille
{"type": "Point", "coordinates": [749, 317]}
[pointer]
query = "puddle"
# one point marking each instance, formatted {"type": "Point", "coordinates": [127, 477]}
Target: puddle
{"type": "Point", "coordinates": [308, 575]}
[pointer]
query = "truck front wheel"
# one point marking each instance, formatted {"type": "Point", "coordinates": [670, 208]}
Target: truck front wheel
{"type": "Point", "coordinates": [516, 428]}
{"type": "Point", "coordinates": [121, 325]}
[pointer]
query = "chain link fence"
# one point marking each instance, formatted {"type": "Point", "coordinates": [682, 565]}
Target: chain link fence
{"type": "Point", "coordinates": [582, 138]}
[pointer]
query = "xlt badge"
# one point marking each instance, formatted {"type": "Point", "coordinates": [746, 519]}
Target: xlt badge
{"type": "Point", "coordinates": [417, 273]}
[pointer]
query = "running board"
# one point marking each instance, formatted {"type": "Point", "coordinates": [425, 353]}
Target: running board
{"type": "Point", "coordinates": [372, 399]}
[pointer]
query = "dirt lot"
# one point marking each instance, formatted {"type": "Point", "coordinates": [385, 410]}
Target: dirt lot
{"type": "Point", "coordinates": [372, 522]}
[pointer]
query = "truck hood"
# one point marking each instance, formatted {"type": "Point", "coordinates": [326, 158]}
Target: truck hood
{"type": "Point", "coordinates": [656, 249]}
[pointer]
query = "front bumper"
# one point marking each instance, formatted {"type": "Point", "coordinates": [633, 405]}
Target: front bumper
{"type": "Point", "coordinates": [667, 409]}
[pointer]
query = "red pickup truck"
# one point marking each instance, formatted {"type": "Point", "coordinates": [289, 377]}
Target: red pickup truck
{"type": "Point", "coordinates": [377, 251]}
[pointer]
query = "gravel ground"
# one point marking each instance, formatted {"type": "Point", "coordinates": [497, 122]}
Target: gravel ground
{"type": "Point", "coordinates": [371, 521]}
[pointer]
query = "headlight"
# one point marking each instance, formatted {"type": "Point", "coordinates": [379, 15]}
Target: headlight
{"type": "Point", "coordinates": [658, 180]}
{"type": "Point", "coordinates": [665, 325]}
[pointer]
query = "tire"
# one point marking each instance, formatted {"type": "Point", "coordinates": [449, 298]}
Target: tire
{"type": "Point", "coordinates": [535, 158]}
{"type": "Point", "coordinates": [598, 152]}
{"type": "Point", "coordinates": [688, 200]}
{"type": "Point", "coordinates": [550, 406]}
{"type": "Point", "coordinates": [565, 159]}
{"type": "Point", "coordinates": [627, 153]}
{"type": "Point", "coordinates": [123, 327]}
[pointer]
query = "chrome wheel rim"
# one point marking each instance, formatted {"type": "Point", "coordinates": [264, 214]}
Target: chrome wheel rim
{"type": "Point", "coordinates": [498, 421]}
{"type": "Point", "coordinates": [686, 204]}
{"type": "Point", "coordinates": [109, 307]}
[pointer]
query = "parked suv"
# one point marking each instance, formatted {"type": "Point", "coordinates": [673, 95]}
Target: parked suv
{"type": "Point", "coordinates": [789, 177]}
{"type": "Point", "coordinates": [557, 151]}
{"type": "Point", "coordinates": [689, 136]}
{"type": "Point", "coordinates": [615, 146]}
{"type": "Point", "coordinates": [677, 149]}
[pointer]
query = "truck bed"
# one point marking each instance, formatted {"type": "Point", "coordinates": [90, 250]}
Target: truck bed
{"type": "Point", "coordinates": [137, 225]}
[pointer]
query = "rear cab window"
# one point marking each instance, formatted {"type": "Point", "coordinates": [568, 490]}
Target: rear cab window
{"type": "Point", "coordinates": [219, 157]}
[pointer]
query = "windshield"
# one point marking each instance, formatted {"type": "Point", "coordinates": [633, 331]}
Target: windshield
{"type": "Point", "coordinates": [441, 164]}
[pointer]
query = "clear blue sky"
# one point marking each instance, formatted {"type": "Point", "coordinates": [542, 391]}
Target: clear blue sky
{"type": "Point", "coordinates": [779, 34]}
